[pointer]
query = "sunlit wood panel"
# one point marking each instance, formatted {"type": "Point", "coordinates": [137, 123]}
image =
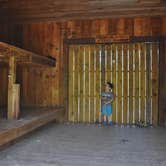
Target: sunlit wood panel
{"type": "Point", "coordinates": [133, 70]}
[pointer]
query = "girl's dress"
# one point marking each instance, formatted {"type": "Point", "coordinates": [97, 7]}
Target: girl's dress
{"type": "Point", "coordinates": [106, 109]}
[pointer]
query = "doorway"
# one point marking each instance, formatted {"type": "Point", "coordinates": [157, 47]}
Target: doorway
{"type": "Point", "coordinates": [133, 70]}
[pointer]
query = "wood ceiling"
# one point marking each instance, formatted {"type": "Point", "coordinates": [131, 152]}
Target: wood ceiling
{"type": "Point", "coordinates": [37, 10]}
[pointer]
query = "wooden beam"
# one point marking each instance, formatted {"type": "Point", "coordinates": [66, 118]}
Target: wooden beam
{"type": "Point", "coordinates": [114, 39]}
{"type": "Point", "coordinates": [24, 56]}
{"type": "Point", "coordinates": [44, 61]}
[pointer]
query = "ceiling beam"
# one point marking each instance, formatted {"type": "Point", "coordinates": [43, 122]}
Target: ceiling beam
{"type": "Point", "coordinates": [54, 10]}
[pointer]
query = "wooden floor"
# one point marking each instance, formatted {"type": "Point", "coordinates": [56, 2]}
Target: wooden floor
{"type": "Point", "coordinates": [83, 145]}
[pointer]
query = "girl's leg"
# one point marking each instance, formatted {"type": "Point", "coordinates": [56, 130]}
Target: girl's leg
{"type": "Point", "coordinates": [104, 120]}
{"type": "Point", "coordinates": [104, 114]}
{"type": "Point", "coordinates": [110, 120]}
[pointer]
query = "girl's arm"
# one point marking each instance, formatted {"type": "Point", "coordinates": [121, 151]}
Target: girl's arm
{"type": "Point", "coordinates": [109, 102]}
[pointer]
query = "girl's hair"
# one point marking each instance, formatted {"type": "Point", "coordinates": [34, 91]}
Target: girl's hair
{"type": "Point", "coordinates": [110, 85]}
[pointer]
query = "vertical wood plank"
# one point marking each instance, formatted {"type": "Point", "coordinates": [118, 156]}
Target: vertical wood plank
{"type": "Point", "coordinates": [92, 83]}
{"type": "Point", "coordinates": [128, 84]}
{"type": "Point", "coordinates": [81, 63]}
{"type": "Point", "coordinates": [84, 84]}
{"type": "Point", "coordinates": [113, 68]}
{"type": "Point", "coordinates": [131, 83]}
{"type": "Point", "coordinates": [142, 82]}
{"type": "Point", "coordinates": [87, 82]}
{"type": "Point", "coordinates": [137, 83]}
{"type": "Point", "coordinates": [11, 81]}
{"type": "Point", "coordinates": [103, 75]}
{"type": "Point", "coordinates": [76, 50]}
{"type": "Point", "coordinates": [79, 84]}
{"type": "Point", "coordinates": [148, 109]}
{"type": "Point", "coordinates": [150, 84]}
{"type": "Point", "coordinates": [71, 51]}
{"type": "Point", "coordinates": [119, 83]}
{"type": "Point", "coordinates": [155, 77]}
{"type": "Point", "coordinates": [3, 92]}
{"type": "Point", "coordinates": [125, 79]}
{"type": "Point", "coordinates": [95, 83]}
{"type": "Point", "coordinates": [73, 86]}
{"type": "Point", "coordinates": [98, 81]}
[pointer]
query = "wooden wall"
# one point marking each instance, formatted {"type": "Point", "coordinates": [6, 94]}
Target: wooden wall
{"type": "Point", "coordinates": [3, 87]}
{"type": "Point", "coordinates": [122, 26]}
{"type": "Point", "coordinates": [162, 88]}
{"type": "Point", "coordinates": [4, 36]}
{"type": "Point", "coordinates": [40, 86]}
{"type": "Point", "coordinates": [11, 34]}
{"type": "Point", "coordinates": [134, 27]}
{"type": "Point", "coordinates": [48, 87]}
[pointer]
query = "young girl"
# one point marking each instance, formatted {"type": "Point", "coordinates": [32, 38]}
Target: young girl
{"type": "Point", "coordinates": [107, 98]}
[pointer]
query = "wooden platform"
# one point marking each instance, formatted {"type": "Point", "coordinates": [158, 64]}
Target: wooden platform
{"type": "Point", "coordinates": [31, 120]}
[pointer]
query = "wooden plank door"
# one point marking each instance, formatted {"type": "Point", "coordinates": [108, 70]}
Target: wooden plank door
{"type": "Point", "coordinates": [133, 70]}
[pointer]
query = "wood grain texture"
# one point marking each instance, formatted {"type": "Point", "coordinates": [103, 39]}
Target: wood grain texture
{"type": "Point", "coordinates": [41, 88]}
{"type": "Point", "coordinates": [162, 78]}
{"type": "Point", "coordinates": [45, 38]}
{"type": "Point", "coordinates": [3, 88]}
{"type": "Point", "coordinates": [11, 82]}
{"type": "Point", "coordinates": [80, 89]}
{"type": "Point", "coordinates": [29, 11]}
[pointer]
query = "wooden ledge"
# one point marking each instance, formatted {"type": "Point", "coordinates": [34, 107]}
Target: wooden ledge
{"type": "Point", "coordinates": [24, 56]}
{"type": "Point", "coordinates": [19, 128]}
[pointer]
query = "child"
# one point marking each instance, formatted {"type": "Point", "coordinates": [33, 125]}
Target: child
{"type": "Point", "coordinates": [107, 98]}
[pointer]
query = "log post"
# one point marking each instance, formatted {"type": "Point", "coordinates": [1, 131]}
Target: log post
{"type": "Point", "coordinates": [11, 82]}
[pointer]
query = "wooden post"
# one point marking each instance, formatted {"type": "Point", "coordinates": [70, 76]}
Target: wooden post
{"type": "Point", "coordinates": [63, 68]}
{"type": "Point", "coordinates": [11, 82]}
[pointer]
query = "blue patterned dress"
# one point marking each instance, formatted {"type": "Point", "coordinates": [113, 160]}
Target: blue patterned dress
{"type": "Point", "coordinates": [106, 110]}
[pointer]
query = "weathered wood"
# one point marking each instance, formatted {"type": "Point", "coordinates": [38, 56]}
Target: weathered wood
{"type": "Point", "coordinates": [143, 99]}
{"type": "Point", "coordinates": [61, 10]}
{"type": "Point", "coordinates": [16, 129]}
{"type": "Point", "coordinates": [11, 82]}
{"type": "Point", "coordinates": [143, 79]}
{"type": "Point", "coordinates": [3, 90]}
{"type": "Point", "coordinates": [155, 82]}
{"type": "Point", "coordinates": [13, 91]}
{"type": "Point", "coordinates": [16, 112]}
{"type": "Point", "coordinates": [162, 84]}
{"type": "Point", "coordinates": [43, 39]}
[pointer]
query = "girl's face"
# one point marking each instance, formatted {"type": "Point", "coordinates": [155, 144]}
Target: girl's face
{"type": "Point", "coordinates": [107, 88]}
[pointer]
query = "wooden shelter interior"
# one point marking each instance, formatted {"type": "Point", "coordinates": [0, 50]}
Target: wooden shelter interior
{"type": "Point", "coordinates": [37, 39]}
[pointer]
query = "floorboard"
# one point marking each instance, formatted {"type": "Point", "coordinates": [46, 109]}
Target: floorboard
{"type": "Point", "coordinates": [90, 145]}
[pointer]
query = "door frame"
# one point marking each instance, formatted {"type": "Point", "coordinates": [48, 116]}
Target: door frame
{"type": "Point", "coordinates": [89, 41]}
